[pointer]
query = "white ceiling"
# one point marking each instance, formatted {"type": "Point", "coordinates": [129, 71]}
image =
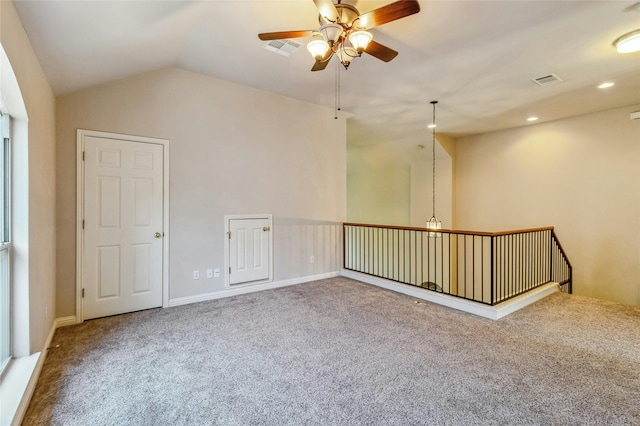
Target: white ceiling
{"type": "Point", "coordinates": [477, 58]}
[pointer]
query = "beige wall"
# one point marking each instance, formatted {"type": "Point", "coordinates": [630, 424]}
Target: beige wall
{"type": "Point", "coordinates": [581, 175]}
{"type": "Point", "coordinates": [390, 183]}
{"type": "Point", "coordinates": [234, 150]}
{"type": "Point", "coordinates": [379, 196]}
{"type": "Point", "coordinates": [421, 203]}
{"type": "Point", "coordinates": [34, 143]}
{"type": "Point", "coordinates": [449, 145]}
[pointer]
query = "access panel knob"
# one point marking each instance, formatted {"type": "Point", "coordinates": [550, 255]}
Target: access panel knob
{"type": "Point", "coordinates": [157, 235]}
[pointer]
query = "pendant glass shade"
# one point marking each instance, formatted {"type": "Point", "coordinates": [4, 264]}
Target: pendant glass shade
{"type": "Point", "coordinates": [318, 48]}
{"type": "Point", "coordinates": [628, 43]}
{"type": "Point", "coordinates": [360, 40]}
{"type": "Point", "coordinates": [434, 224]}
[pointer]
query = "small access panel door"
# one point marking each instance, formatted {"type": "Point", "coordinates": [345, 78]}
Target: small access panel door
{"type": "Point", "coordinates": [249, 250]}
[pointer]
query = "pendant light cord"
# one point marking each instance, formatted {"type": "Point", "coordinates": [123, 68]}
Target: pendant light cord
{"type": "Point", "coordinates": [433, 153]}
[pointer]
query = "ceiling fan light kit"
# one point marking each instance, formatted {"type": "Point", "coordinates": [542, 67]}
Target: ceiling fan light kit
{"type": "Point", "coordinates": [344, 31]}
{"type": "Point", "coordinates": [345, 54]}
{"type": "Point", "coordinates": [318, 48]}
{"type": "Point", "coordinates": [360, 40]}
{"type": "Point", "coordinates": [628, 43]}
{"type": "Point", "coordinates": [331, 33]}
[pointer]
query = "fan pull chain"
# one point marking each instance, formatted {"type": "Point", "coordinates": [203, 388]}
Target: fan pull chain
{"type": "Point", "coordinates": [335, 96]}
{"type": "Point", "coordinates": [337, 92]}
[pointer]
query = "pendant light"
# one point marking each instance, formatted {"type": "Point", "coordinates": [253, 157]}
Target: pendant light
{"type": "Point", "coordinates": [434, 223]}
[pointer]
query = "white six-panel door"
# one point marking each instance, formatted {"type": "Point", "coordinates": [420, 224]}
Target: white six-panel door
{"type": "Point", "coordinates": [249, 250]}
{"type": "Point", "coordinates": [122, 264]}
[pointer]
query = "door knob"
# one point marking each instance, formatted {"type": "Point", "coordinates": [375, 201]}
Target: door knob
{"type": "Point", "coordinates": [157, 235]}
{"type": "Point", "coordinates": [266, 228]}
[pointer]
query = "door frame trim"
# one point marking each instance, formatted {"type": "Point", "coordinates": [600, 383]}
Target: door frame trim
{"type": "Point", "coordinates": [80, 143]}
{"type": "Point", "coordinates": [227, 258]}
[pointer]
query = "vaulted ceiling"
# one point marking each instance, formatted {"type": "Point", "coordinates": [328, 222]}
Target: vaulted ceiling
{"type": "Point", "coordinates": [477, 58]}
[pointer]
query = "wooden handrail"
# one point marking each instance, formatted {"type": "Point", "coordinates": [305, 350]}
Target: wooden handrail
{"type": "Point", "coordinates": [451, 231]}
{"type": "Point", "coordinates": [400, 256]}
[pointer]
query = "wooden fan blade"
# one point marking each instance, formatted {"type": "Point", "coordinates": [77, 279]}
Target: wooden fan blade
{"type": "Point", "coordinates": [327, 9]}
{"type": "Point", "coordinates": [380, 51]}
{"type": "Point", "coordinates": [322, 63]}
{"type": "Point", "coordinates": [282, 35]}
{"type": "Point", "coordinates": [388, 13]}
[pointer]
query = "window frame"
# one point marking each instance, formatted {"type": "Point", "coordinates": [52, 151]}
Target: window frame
{"type": "Point", "coordinates": [5, 244]}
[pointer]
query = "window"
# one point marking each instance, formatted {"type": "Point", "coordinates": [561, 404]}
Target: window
{"type": "Point", "coordinates": [5, 244]}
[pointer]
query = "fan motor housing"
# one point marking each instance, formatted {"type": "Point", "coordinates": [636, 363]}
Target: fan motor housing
{"type": "Point", "coordinates": [347, 14]}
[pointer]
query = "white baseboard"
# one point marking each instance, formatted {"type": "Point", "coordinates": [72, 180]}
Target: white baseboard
{"type": "Point", "coordinates": [519, 302]}
{"type": "Point", "coordinates": [65, 321]}
{"type": "Point", "coordinates": [248, 289]}
{"type": "Point", "coordinates": [475, 308]}
{"type": "Point", "coordinates": [20, 381]}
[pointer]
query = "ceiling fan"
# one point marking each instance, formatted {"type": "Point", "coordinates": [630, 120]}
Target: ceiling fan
{"type": "Point", "coordinates": [343, 31]}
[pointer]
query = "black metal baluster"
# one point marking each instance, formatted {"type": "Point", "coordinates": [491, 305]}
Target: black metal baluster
{"type": "Point", "coordinates": [379, 256]}
{"type": "Point", "coordinates": [421, 258]}
{"type": "Point", "coordinates": [509, 266]}
{"type": "Point", "coordinates": [387, 249]}
{"type": "Point", "coordinates": [493, 281]}
{"type": "Point", "coordinates": [396, 241]}
{"type": "Point", "coordinates": [415, 257]}
{"type": "Point", "coordinates": [520, 260]}
{"type": "Point", "coordinates": [464, 248]}
{"type": "Point", "coordinates": [409, 256]}
{"type": "Point", "coordinates": [442, 262]}
{"type": "Point", "coordinates": [473, 267]}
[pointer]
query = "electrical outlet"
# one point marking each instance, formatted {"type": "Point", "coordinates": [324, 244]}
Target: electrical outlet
{"type": "Point", "coordinates": [196, 275]}
{"type": "Point", "coordinates": [209, 273]}
{"type": "Point", "coordinates": [216, 273]}
{"type": "Point", "coordinates": [312, 259]}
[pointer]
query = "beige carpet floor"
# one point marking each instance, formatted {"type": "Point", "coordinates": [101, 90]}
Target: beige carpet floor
{"type": "Point", "coordinates": [339, 352]}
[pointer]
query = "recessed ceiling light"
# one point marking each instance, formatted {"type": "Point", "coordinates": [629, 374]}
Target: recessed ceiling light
{"type": "Point", "coordinates": [606, 85]}
{"type": "Point", "coordinates": [532, 118]}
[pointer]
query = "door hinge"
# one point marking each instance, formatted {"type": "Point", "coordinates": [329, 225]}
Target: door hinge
{"type": "Point", "coordinates": [229, 269]}
{"type": "Point", "coordinates": [229, 234]}
{"type": "Point", "coordinates": [83, 292]}
{"type": "Point", "coordinates": [82, 223]}
{"type": "Point", "coordinates": [83, 156]}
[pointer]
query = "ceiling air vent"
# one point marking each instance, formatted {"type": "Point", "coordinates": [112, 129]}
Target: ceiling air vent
{"type": "Point", "coordinates": [282, 47]}
{"type": "Point", "coordinates": [547, 80]}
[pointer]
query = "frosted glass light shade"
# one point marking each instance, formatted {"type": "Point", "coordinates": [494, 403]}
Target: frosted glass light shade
{"type": "Point", "coordinates": [331, 32]}
{"type": "Point", "coordinates": [360, 40]}
{"type": "Point", "coordinates": [346, 54]}
{"type": "Point", "coordinates": [318, 48]}
{"type": "Point", "coordinates": [434, 224]}
{"type": "Point", "coordinates": [629, 42]}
